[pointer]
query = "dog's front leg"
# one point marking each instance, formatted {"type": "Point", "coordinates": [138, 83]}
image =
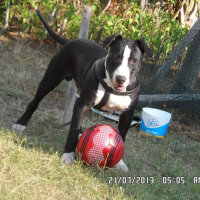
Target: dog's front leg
{"type": "Point", "coordinates": [124, 122]}
{"type": "Point", "coordinates": [79, 111]}
{"type": "Point", "coordinates": [123, 126]}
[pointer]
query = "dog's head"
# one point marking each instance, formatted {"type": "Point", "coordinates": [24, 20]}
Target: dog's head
{"type": "Point", "coordinates": [123, 60]}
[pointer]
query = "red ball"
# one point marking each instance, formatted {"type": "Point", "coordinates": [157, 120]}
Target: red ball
{"type": "Point", "coordinates": [101, 145]}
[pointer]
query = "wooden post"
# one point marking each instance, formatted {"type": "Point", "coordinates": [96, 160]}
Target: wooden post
{"type": "Point", "coordinates": [71, 89]}
{"type": "Point", "coordinates": [84, 29]}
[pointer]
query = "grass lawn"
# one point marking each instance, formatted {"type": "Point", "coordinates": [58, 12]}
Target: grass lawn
{"type": "Point", "coordinates": [30, 166]}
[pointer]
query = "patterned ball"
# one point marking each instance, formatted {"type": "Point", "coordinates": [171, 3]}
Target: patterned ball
{"type": "Point", "coordinates": [101, 145]}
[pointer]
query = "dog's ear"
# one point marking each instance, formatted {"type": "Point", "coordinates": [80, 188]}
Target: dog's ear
{"type": "Point", "coordinates": [109, 40]}
{"type": "Point", "coordinates": [143, 47]}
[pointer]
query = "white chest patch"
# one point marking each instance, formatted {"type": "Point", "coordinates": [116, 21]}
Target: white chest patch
{"type": "Point", "coordinates": [114, 103]}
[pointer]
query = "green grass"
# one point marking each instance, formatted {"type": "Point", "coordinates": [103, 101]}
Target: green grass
{"type": "Point", "coordinates": [30, 166]}
{"type": "Point", "coordinates": [31, 173]}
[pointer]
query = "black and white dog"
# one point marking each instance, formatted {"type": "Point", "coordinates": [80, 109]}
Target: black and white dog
{"type": "Point", "coordinates": [106, 80]}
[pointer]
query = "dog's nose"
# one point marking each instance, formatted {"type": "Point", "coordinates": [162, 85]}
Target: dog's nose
{"type": "Point", "coordinates": [120, 79]}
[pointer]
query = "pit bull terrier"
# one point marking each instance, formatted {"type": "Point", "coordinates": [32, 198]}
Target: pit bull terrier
{"type": "Point", "coordinates": [107, 80]}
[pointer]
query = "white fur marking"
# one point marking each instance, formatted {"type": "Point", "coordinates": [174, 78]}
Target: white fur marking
{"type": "Point", "coordinates": [68, 158]}
{"type": "Point", "coordinates": [100, 93]}
{"type": "Point", "coordinates": [123, 69]}
{"type": "Point", "coordinates": [115, 102]}
{"type": "Point", "coordinates": [18, 127]}
{"type": "Point", "coordinates": [121, 166]}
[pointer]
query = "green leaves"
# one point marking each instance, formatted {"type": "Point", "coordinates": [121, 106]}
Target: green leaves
{"type": "Point", "coordinates": [160, 29]}
{"type": "Point", "coordinates": [32, 2]}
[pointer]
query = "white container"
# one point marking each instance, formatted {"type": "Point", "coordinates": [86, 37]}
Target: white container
{"type": "Point", "coordinates": [155, 121]}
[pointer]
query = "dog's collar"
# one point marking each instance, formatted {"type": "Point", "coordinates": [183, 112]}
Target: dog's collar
{"type": "Point", "coordinates": [108, 89]}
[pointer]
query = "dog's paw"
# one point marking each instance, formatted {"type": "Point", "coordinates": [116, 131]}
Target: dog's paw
{"type": "Point", "coordinates": [121, 166]}
{"type": "Point", "coordinates": [18, 127]}
{"type": "Point", "coordinates": [68, 158]}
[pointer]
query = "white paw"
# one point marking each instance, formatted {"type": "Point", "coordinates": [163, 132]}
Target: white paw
{"type": "Point", "coordinates": [18, 127]}
{"type": "Point", "coordinates": [121, 166]}
{"type": "Point", "coordinates": [68, 158]}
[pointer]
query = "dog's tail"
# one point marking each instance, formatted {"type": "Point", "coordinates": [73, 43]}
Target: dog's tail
{"type": "Point", "coordinates": [55, 36]}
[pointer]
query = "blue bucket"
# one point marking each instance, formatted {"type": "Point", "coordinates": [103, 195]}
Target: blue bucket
{"type": "Point", "coordinates": [155, 122]}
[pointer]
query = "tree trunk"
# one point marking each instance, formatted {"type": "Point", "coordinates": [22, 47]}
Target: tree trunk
{"type": "Point", "coordinates": [179, 49]}
{"type": "Point", "coordinates": [187, 76]}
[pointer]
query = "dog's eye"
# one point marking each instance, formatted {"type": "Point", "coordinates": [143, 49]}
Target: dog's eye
{"type": "Point", "coordinates": [132, 61]}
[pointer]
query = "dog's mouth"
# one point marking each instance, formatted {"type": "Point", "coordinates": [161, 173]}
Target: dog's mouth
{"type": "Point", "coordinates": [119, 87]}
